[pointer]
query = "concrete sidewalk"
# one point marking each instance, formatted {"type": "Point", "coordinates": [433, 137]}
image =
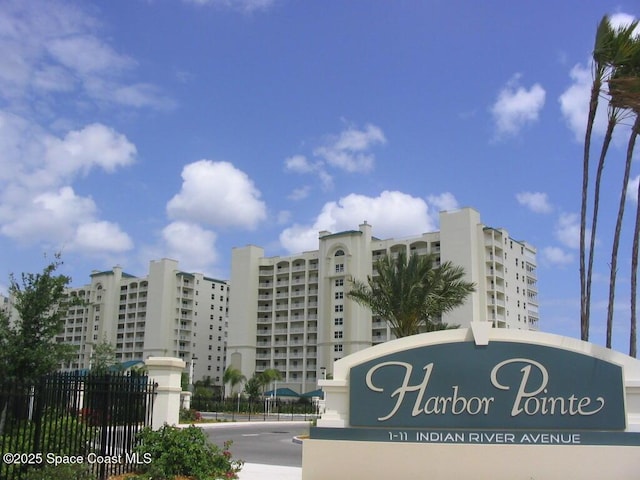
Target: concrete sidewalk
{"type": "Point", "coordinates": [255, 471]}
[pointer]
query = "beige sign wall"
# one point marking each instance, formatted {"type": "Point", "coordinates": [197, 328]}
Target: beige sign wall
{"type": "Point", "coordinates": [414, 453]}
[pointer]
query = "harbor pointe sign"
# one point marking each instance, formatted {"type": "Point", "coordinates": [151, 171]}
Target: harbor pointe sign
{"type": "Point", "coordinates": [503, 385]}
{"type": "Point", "coordinates": [479, 403]}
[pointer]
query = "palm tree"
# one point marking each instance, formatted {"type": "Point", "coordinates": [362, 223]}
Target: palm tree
{"type": "Point", "coordinates": [615, 115]}
{"type": "Point", "coordinates": [601, 56]}
{"type": "Point", "coordinates": [633, 344]}
{"type": "Point", "coordinates": [233, 377]}
{"type": "Point", "coordinates": [613, 50]}
{"type": "Point", "coordinates": [624, 89]}
{"type": "Point", "coordinates": [411, 294]}
{"type": "Point", "coordinates": [269, 375]}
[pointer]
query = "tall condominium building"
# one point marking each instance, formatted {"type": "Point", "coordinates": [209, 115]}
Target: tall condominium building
{"type": "Point", "coordinates": [167, 313]}
{"type": "Point", "coordinates": [292, 313]}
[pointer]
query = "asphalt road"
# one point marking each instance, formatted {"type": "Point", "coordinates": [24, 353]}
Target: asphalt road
{"type": "Point", "coordinates": [263, 443]}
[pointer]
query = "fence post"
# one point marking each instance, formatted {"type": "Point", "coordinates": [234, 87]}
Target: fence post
{"type": "Point", "coordinates": [166, 372]}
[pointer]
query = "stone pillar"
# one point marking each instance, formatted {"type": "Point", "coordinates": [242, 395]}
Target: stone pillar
{"type": "Point", "coordinates": [167, 372]}
{"type": "Point", "coordinates": [185, 400]}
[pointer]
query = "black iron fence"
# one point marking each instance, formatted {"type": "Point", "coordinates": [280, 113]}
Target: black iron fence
{"type": "Point", "coordinates": [258, 409]}
{"type": "Point", "coordinates": [71, 418]}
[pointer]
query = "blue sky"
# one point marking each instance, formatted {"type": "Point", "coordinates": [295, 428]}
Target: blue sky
{"type": "Point", "coordinates": [134, 130]}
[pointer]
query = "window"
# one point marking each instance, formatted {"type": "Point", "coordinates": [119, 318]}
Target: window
{"type": "Point", "coordinates": [339, 282]}
{"type": "Point", "coordinates": [339, 267]}
{"type": "Point", "coordinates": [339, 253]}
{"type": "Point", "coordinates": [339, 295]}
{"type": "Point", "coordinates": [337, 334]}
{"type": "Point", "coordinates": [339, 308]}
{"type": "Point", "coordinates": [338, 321]}
{"type": "Point", "coordinates": [337, 348]}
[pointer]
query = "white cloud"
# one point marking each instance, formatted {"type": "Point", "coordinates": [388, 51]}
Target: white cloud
{"type": "Point", "coordinates": [574, 101]}
{"type": "Point", "coordinates": [537, 202]}
{"type": "Point", "coordinates": [517, 107]}
{"type": "Point", "coordinates": [47, 217]}
{"type": "Point", "coordinates": [574, 104]}
{"type": "Point", "coordinates": [37, 202]}
{"type": "Point", "coordinates": [102, 237]}
{"type": "Point", "coordinates": [443, 202]}
{"type": "Point", "coordinates": [300, 193]}
{"type": "Point", "coordinates": [247, 6]}
{"type": "Point", "coordinates": [140, 95]}
{"type": "Point", "coordinates": [622, 19]}
{"type": "Point", "coordinates": [52, 54]}
{"type": "Point", "coordinates": [80, 150]}
{"type": "Point", "coordinates": [34, 159]}
{"type": "Point", "coordinates": [350, 150]}
{"type": "Point", "coordinates": [299, 164]}
{"type": "Point", "coordinates": [556, 256]}
{"type": "Point", "coordinates": [87, 55]}
{"type": "Point", "coordinates": [191, 244]}
{"type": "Point", "coordinates": [392, 214]}
{"type": "Point", "coordinates": [568, 230]}
{"type": "Point", "coordinates": [219, 195]}
{"type": "Point", "coordinates": [55, 47]}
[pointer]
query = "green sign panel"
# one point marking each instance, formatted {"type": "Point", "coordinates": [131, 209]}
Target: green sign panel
{"type": "Point", "coordinates": [504, 385]}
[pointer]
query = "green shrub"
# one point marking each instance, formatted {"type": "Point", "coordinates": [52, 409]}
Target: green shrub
{"type": "Point", "coordinates": [184, 451]}
{"type": "Point", "coordinates": [80, 471]}
{"type": "Point", "coordinates": [60, 435]}
{"type": "Point", "coordinates": [191, 415]}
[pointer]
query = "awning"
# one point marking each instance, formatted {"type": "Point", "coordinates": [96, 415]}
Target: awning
{"type": "Point", "coordinates": [281, 392]}
{"type": "Point", "coordinates": [314, 393]}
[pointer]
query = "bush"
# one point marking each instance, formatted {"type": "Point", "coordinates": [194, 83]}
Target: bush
{"type": "Point", "coordinates": [191, 415]}
{"type": "Point", "coordinates": [79, 471]}
{"type": "Point", "coordinates": [184, 451]}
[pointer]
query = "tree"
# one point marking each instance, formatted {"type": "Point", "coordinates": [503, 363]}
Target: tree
{"type": "Point", "coordinates": [411, 294]}
{"type": "Point", "coordinates": [252, 387]}
{"type": "Point", "coordinates": [103, 357]}
{"type": "Point", "coordinates": [601, 59]}
{"type": "Point", "coordinates": [27, 347]}
{"type": "Point", "coordinates": [207, 383]}
{"type": "Point", "coordinates": [615, 61]}
{"type": "Point", "coordinates": [624, 89]}
{"type": "Point", "coordinates": [233, 377]}
{"type": "Point", "coordinates": [269, 375]}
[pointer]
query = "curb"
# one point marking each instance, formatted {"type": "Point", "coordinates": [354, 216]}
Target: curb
{"type": "Point", "coordinates": [244, 424]}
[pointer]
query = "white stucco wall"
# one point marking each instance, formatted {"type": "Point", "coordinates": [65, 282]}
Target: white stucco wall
{"type": "Point", "coordinates": [380, 459]}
